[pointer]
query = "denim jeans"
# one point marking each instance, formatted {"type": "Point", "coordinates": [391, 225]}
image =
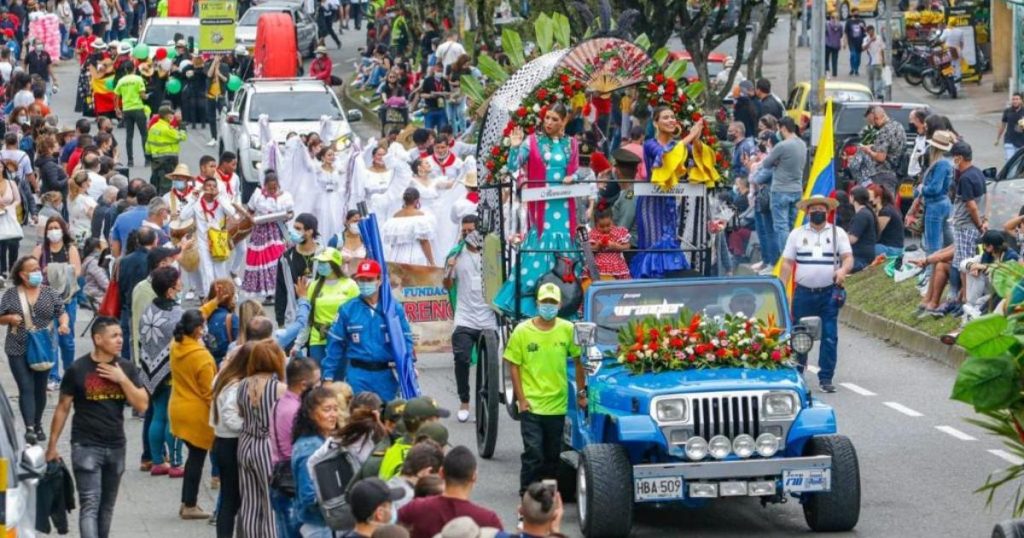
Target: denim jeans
{"type": "Point", "coordinates": [435, 118]}
{"type": "Point", "coordinates": [315, 531]}
{"type": "Point", "coordinates": [65, 342]}
{"type": "Point", "coordinates": [1009, 150]}
{"type": "Point", "coordinates": [542, 447]}
{"type": "Point", "coordinates": [783, 215]}
{"type": "Point", "coordinates": [318, 352]}
{"type": "Point", "coordinates": [31, 390]}
{"type": "Point", "coordinates": [285, 518]}
{"type": "Point", "coordinates": [855, 60]}
{"type": "Point", "coordinates": [935, 215]}
{"type": "Point", "coordinates": [126, 330]}
{"type": "Point", "coordinates": [820, 303]}
{"type": "Point", "coordinates": [98, 473]}
{"type": "Point", "coordinates": [456, 117]}
{"type": "Point", "coordinates": [766, 236]}
{"type": "Point", "coordinates": [881, 249]}
{"type": "Point", "coordinates": [160, 439]}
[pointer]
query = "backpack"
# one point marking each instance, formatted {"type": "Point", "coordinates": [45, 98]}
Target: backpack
{"type": "Point", "coordinates": [332, 469]}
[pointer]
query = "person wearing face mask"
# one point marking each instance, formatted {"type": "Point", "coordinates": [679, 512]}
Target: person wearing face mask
{"type": "Point", "coordinates": [434, 91]}
{"type": "Point", "coordinates": [321, 66]}
{"type": "Point", "coordinates": [211, 212]}
{"type": "Point", "coordinates": [536, 354]}
{"type": "Point", "coordinates": [163, 143]}
{"type": "Point", "coordinates": [61, 265]}
{"type": "Point", "coordinates": [358, 349]}
{"type": "Point", "coordinates": [463, 278]}
{"type": "Point", "coordinates": [266, 243]}
{"type": "Point", "coordinates": [46, 306]}
{"type": "Point", "coordinates": [295, 263]}
{"type": "Point", "coordinates": [821, 256]}
{"type": "Point", "coordinates": [744, 148]}
{"type": "Point", "coordinates": [329, 291]}
{"type": "Point", "coordinates": [350, 242]}
{"type": "Point", "coordinates": [410, 235]}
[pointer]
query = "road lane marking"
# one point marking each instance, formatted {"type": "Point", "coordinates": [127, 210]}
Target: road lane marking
{"type": "Point", "coordinates": [949, 430]}
{"type": "Point", "coordinates": [903, 409]}
{"type": "Point", "coordinates": [858, 389]}
{"type": "Point", "coordinates": [813, 369]}
{"type": "Point", "coordinates": [1006, 456]}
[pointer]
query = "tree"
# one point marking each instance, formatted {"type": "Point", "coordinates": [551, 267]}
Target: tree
{"type": "Point", "coordinates": [794, 24]}
{"type": "Point", "coordinates": [767, 17]}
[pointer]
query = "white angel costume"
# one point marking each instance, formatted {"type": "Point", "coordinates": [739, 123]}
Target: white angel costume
{"type": "Point", "coordinates": [330, 207]}
{"type": "Point", "coordinates": [377, 189]}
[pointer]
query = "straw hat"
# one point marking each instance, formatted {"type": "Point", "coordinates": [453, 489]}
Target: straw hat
{"type": "Point", "coordinates": [817, 199]}
{"type": "Point", "coordinates": [180, 171]}
{"type": "Point", "coordinates": [942, 140]}
{"type": "Point", "coordinates": [321, 50]}
{"type": "Point", "coordinates": [146, 69]}
{"type": "Point", "coordinates": [99, 45]}
{"type": "Point", "coordinates": [470, 179]}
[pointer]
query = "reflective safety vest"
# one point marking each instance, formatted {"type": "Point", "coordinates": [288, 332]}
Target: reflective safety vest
{"type": "Point", "coordinates": [326, 305]}
{"type": "Point", "coordinates": [163, 139]}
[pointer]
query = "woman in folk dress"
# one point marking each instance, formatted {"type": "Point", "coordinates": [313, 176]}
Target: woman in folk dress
{"type": "Point", "coordinates": [374, 173]}
{"type": "Point", "coordinates": [331, 193]}
{"type": "Point", "coordinates": [211, 211]}
{"type": "Point", "coordinates": [266, 244]}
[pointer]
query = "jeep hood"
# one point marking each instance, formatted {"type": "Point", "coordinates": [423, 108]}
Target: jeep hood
{"type": "Point", "coordinates": [616, 378]}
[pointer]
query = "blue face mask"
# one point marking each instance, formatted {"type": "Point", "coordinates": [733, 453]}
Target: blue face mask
{"type": "Point", "coordinates": [547, 311]}
{"type": "Point", "coordinates": [296, 236]}
{"type": "Point", "coordinates": [367, 289]}
{"type": "Point", "coordinates": [179, 185]}
{"type": "Point", "coordinates": [324, 270]}
{"type": "Point", "coordinates": [35, 279]}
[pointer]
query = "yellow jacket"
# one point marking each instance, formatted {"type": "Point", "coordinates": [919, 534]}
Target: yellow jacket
{"type": "Point", "coordinates": [163, 139]}
{"type": "Point", "coordinates": [192, 373]}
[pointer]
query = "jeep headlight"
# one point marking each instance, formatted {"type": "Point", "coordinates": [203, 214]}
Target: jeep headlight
{"type": "Point", "coordinates": [743, 445]}
{"type": "Point", "coordinates": [696, 448]}
{"type": "Point", "coordinates": [767, 445]}
{"type": "Point", "coordinates": [670, 410]}
{"type": "Point", "coordinates": [779, 405]}
{"type": "Point", "coordinates": [719, 447]}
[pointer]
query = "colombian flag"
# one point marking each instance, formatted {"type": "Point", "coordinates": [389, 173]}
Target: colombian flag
{"type": "Point", "coordinates": [822, 178]}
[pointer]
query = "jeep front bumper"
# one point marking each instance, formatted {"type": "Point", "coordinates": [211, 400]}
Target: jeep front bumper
{"type": "Point", "coordinates": [660, 482]}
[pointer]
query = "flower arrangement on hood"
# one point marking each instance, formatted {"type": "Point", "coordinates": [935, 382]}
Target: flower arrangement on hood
{"type": "Point", "coordinates": [695, 341]}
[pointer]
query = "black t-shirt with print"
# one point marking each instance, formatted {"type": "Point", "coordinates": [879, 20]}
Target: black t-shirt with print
{"type": "Point", "coordinates": [98, 415]}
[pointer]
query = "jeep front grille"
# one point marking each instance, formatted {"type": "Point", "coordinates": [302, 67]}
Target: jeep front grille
{"type": "Point", "coordinates": [726, 415]}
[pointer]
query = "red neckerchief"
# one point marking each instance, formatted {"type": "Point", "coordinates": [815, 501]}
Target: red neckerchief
{"type": "Point", "coordinates": [424, 153]}
{"type": "Point", "coordinates": [448, 161]}
{"type": "Point", "coordinates": [211, 211]}
{"type": "Point", "coordinates": [227, 181]}
{"type": "Point", "coordinates": [183, 195]}
{"type": "Point", "coordinates": [473, 197]}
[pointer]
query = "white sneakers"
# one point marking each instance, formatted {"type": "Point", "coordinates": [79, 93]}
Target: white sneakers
{"type": "Point", "coordinates": [462, 415]}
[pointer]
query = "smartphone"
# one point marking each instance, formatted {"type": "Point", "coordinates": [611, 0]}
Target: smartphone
{"type": "Point", "coordinates": [550, 484]}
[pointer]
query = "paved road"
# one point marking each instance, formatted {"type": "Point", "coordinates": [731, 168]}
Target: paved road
{"type": "Point", "coordinates": [919, 461]}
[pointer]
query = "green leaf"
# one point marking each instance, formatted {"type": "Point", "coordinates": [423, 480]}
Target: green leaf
{"type": "Point", "coordinates": [660, 56]}
{"type": "Point", "coordinates": [544, 29]}
{"type": "Point", "coordinates": [1006, 277]}
{"type": "Point", "coordinates": [987, 336]}
{"type": "Point", "coordinates": [491, 69]}
{"type": "Point", "coordinates": [694, 90]}
{"type": "Point", "coordinates": [513, 45]}
{"type": "Point", "coordinates": [562, 32]}
{"type": "Point", "coordinates": [987, 384]}
{"type": "Point", "coordinates": [676, 69]}
{"type": "Point", "coordinates": [472, 88]}
{"type": "Point", "coordinates": [642, 41]}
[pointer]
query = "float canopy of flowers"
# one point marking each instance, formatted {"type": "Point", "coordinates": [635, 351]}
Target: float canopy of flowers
{"type": "Point", "coordinates": [656, 85]}
{"type": "Point", "coordinates": [694, 342]}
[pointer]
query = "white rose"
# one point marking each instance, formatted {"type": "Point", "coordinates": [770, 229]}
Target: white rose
{"type": "Point", "coordinates": [506, 141]}
{"type": "Point", "coordinates": [661, 90]}
{"type": "Point", "coordinates": [536, 107]}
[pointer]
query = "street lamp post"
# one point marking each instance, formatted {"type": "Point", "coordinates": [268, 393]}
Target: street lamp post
{"type": "Point", "coordinates": [817, 57]}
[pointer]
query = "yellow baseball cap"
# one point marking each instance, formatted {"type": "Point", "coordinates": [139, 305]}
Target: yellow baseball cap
{"type": "Point", "coordinates": [548, 292]}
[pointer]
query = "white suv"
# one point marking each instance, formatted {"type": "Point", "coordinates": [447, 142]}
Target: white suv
{"type": "Point", "coordinates": [292, 105]}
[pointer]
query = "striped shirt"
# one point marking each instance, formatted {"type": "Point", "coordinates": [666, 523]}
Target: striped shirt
{"type": "Point", "coordinates": [815, 254]}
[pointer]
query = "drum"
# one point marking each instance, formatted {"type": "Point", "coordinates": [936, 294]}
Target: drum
{"type": "Point", "coordinates": [189, 259]}
{"type": "Point", "coordinates": [181, 228]}
{"type": "Point", "coordinates": [239, 225]}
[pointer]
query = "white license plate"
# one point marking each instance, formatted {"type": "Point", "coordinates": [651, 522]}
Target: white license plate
{"type": "Point", "coordinates": [805, 480]}
{"type": "Point", "coordinates": [658, 489]}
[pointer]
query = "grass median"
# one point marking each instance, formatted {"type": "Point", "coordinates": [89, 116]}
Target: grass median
{"type": "Point", "coordinates": [876, 293]}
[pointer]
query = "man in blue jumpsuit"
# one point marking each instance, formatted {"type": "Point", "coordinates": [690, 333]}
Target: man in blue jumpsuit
{"type": "Point", "coordinates": [358, 345]}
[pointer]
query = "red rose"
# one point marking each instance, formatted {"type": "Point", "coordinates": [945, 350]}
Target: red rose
{"type": "Point", "coordinates": [490, 165]}
{"type": "Point", "coordinates": [712, 140]}
{"type": "Point", "coordinates": [564, 79]}
{"type": "Point", "coordinates": [521, 112]}
{"type": "Point", "coordinates": [577, 85]}
{"type": "Point", "coordinates": [631, 358]}
{"type": "Point", "coordinates": [567, 90]}
{"type": "Point", "coordinates": [722, 353]}
{"type": "Point", "coordinates": [776, 355]}
{"type": "Point", "coordinates": [723, 333]}
{"type": "Point", "coordinates": [695, 117]}
{"type": "Point", "coordinates": [719, 158]}
{"type": "Point", "coordinates": [676, 342]}
{"type": "Point", "coordinates": [682, 98]}
{"type": "Point", "coordinates": [659, 78]}
{"type": "Point", "coordinates": [652, 87]}
{"type": "Point", "coordinates": [542, 93]}
{"type": "Point", "coordinates": [653, 101]}
{"type": "Point", "coordinates": [530, 129]}
{"type": "Point", "coordinates": [654, 334]}
{"type": "Point", "coordinates": [543, 112]}
{"type": "Point", "coordinates": [495, 151]}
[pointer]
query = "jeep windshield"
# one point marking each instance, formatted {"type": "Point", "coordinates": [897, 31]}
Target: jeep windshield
{"type": "Point", "coordinates": [613, 308]}
{"type": "Point", "coordinates": [288, 106]}
{"type": "Point", "coordinates": [159, 35]}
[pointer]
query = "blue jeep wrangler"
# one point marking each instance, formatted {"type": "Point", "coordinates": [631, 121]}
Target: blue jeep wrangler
{"type": "Point", "coordinates": [685, 437]}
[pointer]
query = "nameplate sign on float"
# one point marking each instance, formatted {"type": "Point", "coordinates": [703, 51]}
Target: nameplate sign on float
{"type": "Point", "coordinates": [557, 192]}
{"type": "Point", "coordinates": [681, 189]}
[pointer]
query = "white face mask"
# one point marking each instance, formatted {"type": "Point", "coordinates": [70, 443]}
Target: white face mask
{"type": "Point", "coordinates": [55, 236]}
{"type": "Point", "coordinates": [353, 228]}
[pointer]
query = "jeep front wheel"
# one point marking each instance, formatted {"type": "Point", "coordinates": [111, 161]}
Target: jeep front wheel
{"type": "Point", "coordinates": [604, 490]}
{"type": "Point", "coordinates": [839, 509]}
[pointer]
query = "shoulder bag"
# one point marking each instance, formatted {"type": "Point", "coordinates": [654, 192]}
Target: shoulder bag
{"type": "Point", "coordinates": [10, 226]}
{"type": "Point", "coordinates": [281, 477]}
{"type": "Point", "coordinates": [40, 348]}
{"type": "Point", "coordinates": [220, 243]}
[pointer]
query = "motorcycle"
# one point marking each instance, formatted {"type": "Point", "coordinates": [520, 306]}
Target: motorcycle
{"type": "Point", "coordinates": [940, 77]}
{"type": "Point", "coordinates": [910, 62]}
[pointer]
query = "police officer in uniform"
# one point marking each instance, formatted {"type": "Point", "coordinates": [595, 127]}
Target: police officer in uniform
{"type": "Point", "coordinates": [622, 201]}
{"type": "Point", "coordinates": [392, 419]}
{"type": "Point", "coordinates": [358, 346]}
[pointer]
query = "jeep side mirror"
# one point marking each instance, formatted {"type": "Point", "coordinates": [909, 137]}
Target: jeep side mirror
{"type": "Point", "coordinates": [231, 118]}
{"type": "Point", "coordinates": [33, 462]}
{"type": "Point", "coordinates": [584, 333]}
{"type": "Point", "coordinates": [990, 173]}
{"type": "Point", "coordinates": [354, 115]}
{"type": "Point", "coordinates": [813, 325]}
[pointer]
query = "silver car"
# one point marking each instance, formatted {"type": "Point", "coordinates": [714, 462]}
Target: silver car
{"type": "Point", "coordinates": [306, 36]}
{"type": "Point", "coordinates": [160, 31]}
{"type": "Point", "coordinates": [292, 105]}
{"type": "Point", "coordinates": [25, 465]}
